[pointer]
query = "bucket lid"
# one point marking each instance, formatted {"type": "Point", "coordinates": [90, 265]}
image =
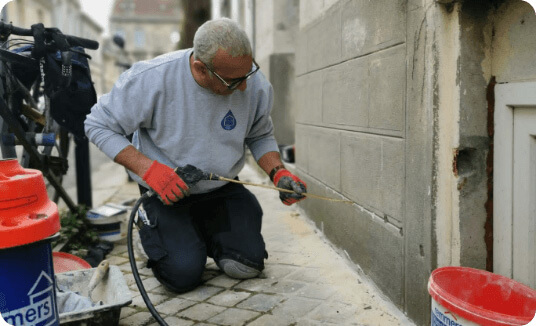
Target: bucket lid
{"type": "Point", "coordinates": [482, 297]}
{"type": "Point", "coordinates": [65, 262]}
{"type": "Point", "coordinates": [26, 213]}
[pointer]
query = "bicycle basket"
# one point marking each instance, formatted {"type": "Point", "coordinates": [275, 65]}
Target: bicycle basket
{"type": "Point", "coordinates": [70, 105]}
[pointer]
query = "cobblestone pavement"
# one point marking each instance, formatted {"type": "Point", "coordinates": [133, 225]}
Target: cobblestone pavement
{"type": "Point", "coordinates": [305, 282]}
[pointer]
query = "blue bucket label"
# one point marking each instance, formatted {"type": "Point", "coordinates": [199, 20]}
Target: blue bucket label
{"type": "Point", "coordinates": [27, 286]}
{"type": "Point", "coordinates": [444, 317]}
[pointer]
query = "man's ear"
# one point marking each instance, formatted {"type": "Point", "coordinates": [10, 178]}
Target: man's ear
{"type": "Point", "coordinates": [200, 67]}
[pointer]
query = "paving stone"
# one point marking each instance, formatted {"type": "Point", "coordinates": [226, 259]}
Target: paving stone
{"type": "Point", "coordinates": [270, 285]}
{"type": "Point", "coordinates": [256, 284]}
{"type": "Point", "coordinates": [201, 311]}
{"type": "Point", "coordinates": [315, 291]}
{"type": "Point", "coordinates": [292, 258]}
{"type": "Point", "coordinates": [229, 298]}
{"type": "Point", "coordinates": [233, 316]}
{"type": "Point", "coordinates": [175, 321]}
{"type": "Point", "coordinates": [156, 299]}
{"type": "Point", "coordinates": [150, 283]}
{"type": "Point", "coordinates": [164, 291]}
{"type": "Point", "coordinates": [309, 275]}
{"type": "Point", "coordinates": [306, 322]}
{"type": "Point", "coordinates": [139, 319]}
{"type": "Point", "coordinates": [271, 320]}
{"type": "Point", "coordinates": [209, 274]}
{"type": "Point", "coordinates": [129, 278]}
{"type": "Point", "coordinates": [286, 287]}
{"type": "Point", "coordinates": [223, 281]}
{"type": "Point", "coordinates": [119, 249]}
{"type": "Point", "coordinates": [334, 312]}
{"type": "Point", "coordinates": [261, 302]}
{"type": "Point", "coordinates": [127, 311]}
{"type": "Point", "coordinates": [174, 305]}
{"type": "Point", "coordinates": [277, 271]}
{"type": "Point", "coordinates": [296, 307]}
{"type": "Point", "coordinates": [201, 293]}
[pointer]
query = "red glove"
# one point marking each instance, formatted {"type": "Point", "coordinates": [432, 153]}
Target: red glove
{"type": "Point", "coordinates": [166, 183]}
{"type": "Point", "coordinates": [286, 180]}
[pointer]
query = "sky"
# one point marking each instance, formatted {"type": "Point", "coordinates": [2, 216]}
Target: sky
{"type": "Point", "coordinates": [99, 10]}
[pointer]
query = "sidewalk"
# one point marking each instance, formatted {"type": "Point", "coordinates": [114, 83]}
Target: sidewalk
{"type": "Point", "coordinates": [305, 282]}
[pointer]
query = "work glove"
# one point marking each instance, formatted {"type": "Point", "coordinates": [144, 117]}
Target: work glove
{"type": "Point", "coordinates": [286, 180]}
{"type": "Point", "coordinates": [172, 185]}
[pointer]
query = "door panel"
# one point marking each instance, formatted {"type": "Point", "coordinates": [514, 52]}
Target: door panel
{"type": "Point", "coordinates": [524, 195]}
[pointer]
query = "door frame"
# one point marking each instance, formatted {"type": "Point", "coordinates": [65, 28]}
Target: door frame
{"type": "Point", "coordinates": [507, 97]}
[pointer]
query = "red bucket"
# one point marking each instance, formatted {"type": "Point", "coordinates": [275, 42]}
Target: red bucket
{"type": "Point", "coordinates": [468, 296]}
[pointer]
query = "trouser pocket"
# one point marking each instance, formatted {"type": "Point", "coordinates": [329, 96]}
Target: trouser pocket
{"type": "Point", "coordinates": [151, 241]}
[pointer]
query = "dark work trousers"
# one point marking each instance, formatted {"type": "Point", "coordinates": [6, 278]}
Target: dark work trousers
{"type": "Point", "coordinates": [223, 224]}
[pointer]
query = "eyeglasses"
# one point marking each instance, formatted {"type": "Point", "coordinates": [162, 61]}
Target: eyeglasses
{"type": "Point", "coordinates": [237, 81]}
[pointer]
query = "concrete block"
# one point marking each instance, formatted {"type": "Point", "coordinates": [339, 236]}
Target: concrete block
{"type": "Point", "coordinates": [324, 156]}
{"type": "Point", "coordinates": [345, 90]}
{"type": "Point", "coordinates": [302, 147]}
{"type": "Point", "coordinates": [309, 103]}
{"type": "Point", "coordinates": [368, 26]}
{"type": "Point", "coordinates": [309, 11]}
{"type": "Point", "coordinates": [301, 52]}
{"type": "Point", "coordinates": [374, 172]}
{"type": "Point", "coordinates": [388, 80]}
{"type": "Point", "coordinates": [324, 41]}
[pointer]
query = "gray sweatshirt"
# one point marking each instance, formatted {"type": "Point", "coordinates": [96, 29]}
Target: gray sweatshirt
{"type": "Point", "coordinates": [177, 122]}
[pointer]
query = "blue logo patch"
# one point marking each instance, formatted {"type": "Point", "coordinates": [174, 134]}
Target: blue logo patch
{"type": "Point", "coordinates": [229, 121]}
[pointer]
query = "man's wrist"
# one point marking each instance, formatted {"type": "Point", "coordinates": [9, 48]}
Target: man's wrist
{"type": "Point", "coordinates": [274, 171]}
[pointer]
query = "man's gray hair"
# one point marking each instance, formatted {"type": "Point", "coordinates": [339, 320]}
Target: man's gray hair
{"type": "Point", "coordinates": [221, 33]}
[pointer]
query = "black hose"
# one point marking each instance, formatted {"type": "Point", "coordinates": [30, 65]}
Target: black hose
{"type": "Point", "coordinates": [132, 259]}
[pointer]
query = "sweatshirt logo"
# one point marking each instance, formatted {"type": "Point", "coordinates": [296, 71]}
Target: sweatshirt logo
{"type": "Point", "coordinates": [228, 122]}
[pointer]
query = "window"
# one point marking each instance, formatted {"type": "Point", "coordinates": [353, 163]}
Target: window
{"type": "Point", "coordinates": [139, 38]}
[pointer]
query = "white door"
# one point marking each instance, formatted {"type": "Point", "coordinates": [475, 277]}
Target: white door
{"type": "Point", "coordinates": [514, 252]}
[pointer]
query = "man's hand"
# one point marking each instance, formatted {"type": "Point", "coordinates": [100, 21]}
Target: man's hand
{"type": "Point", "coordinates": [166, 183]}
{"type": "Point", "coordinates": [286, 180]}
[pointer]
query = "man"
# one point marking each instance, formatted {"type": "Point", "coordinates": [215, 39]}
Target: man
{"type": "Point", "coordinates": [198, 107]}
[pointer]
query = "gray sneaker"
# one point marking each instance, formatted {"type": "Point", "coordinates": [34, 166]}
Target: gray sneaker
{"type": "Point", "coordinates": [237, 270]}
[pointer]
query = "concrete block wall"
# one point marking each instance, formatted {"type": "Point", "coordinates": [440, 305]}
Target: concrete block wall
{"type": "Point", "coordinates": [351, 93]}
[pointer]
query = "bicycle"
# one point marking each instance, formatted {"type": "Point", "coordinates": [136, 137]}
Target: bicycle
{"type": "Point", "coordinates": [36, 80]}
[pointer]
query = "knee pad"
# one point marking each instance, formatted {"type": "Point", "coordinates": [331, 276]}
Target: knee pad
{"type": "Point", "coordinates": [237, 270]}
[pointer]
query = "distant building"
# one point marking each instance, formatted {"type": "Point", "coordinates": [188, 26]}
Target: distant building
{"type": "Point", "coordinates": [149, 28]}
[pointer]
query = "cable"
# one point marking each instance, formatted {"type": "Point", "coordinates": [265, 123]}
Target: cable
{"type": "Point", "coordinates": [132, 259]}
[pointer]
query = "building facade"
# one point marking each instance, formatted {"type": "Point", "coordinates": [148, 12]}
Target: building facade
{"type": "Point", "coordinates": [149, 28]}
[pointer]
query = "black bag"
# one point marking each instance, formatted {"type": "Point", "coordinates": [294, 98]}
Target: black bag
{"type": "Point", "coordinates": [27, 74]}
{"type": "Point", "coordinates": [70, 104]}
